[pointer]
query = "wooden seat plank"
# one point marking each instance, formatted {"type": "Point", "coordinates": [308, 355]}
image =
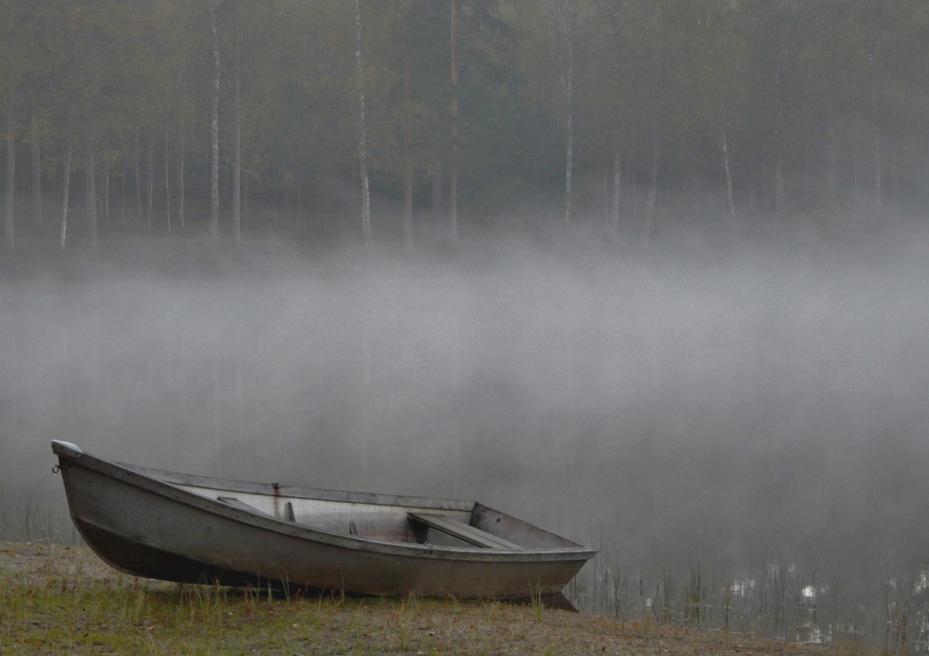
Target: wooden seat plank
{"type": "Point", "coordinates": [470, 534]}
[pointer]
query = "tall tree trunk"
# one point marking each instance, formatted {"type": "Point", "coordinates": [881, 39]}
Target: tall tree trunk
{"type": "Point", "coordinates": [214, 127]}
{"type": "Point", "coordinates": [362, 129]}
{"type": "Point", "coordinates": [138, 178]}
{"type": "Point", "coordinates": [65, 194]}
{"type": "Point", "coordinates": [408, 207]}
{"type": "Point", "coordinates": [298, 183]}
{"type": "Point", "coordinates": [90, 192]}
{"type": "Point", "coordinates": [654, 161]}
{"type": "Point", "coordinates": [237, 142]}
{"type": "Point", "coordinates": [832, 181]}
{"type": "Point", "coordinates": [652, 186]}
{"type": "Point", "coordinates": [856, 157]}
{"type": "Point", "coordinates": [779, 183]}
{"type": "Point", "coordinates": [634, 191]}
{"type": "Point", "coordinates": [617, 193]}
{"type": "Point", "coordinates": [878, 188]}
{"type": "Point", "coordinates": [453, 159]}
{"type": "Point", "coordinates": [435, 175]}
{"type": "Point", "coordinates": [567, 82]}
{"type": "Point", "coordinates": [727, 169]}
{"type": "Point", "coordinates": [122, 193]}
{"type": "Point", "coordinates": [180, 175]}
{"type": "Point", "coordinates": [167, 179]}
{"type": "Point", "coordinates": [9, 223]}
{"type": "Point", "coordinates": [151, 179]}
{"type": "Point", "coordinates": [106, 191]}
{"type": "Point", "coordinates": [245, 198]}
{"type": "Point", "coordinates": [407, 144]}
{"type": "Point", "coordinates": [878, 175]}
{"type": "Point", "coordinates": [779, 124]}
{"type": "Point", "coordinates": [37, 212]}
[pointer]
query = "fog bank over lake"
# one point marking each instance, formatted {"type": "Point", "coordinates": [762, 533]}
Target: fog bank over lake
{"type": "Point", "coordinates": [731, 409]}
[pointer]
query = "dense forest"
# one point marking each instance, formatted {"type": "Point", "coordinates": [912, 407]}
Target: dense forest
{"type": "Point", "coordinates": [392, 120]}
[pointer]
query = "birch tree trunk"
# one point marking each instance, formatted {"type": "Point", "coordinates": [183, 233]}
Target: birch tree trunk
{"type": "Point", "coordinates": [106, 191]}
{"type": "Point", "coordinates": [167, 180]}
{"type": "Point", "coordinates": [878, 186]}
{"type": "Point", "coordinates": [237, 142]}
{"type": "Point", "coordinates": [37, 212]}
{"type": "Point", "coordinates": [214, 126]}
{"type": "Point", "coordinates": [856, 161]}
{"type": "Point", "coordinates": [90, 193]}
{"type": "Point", "coordinates": [652, 187]}
{"type": "Point", "coordinates": [779, 126]}
{"type": "Point", "coordinates": [617, 194]}
{"type": "Point", "coordinates": [138, 178]}
{"type": "Point", "coordinates": [408, 207]}
{"type": "Point", "coordinates": [832, 182]}
{"type": "Point", "coordinates": [634, 191]}
{"type": "Point", "coordinates": [407, 155]}
{"type": "Point", "coordinates": [727, 169]}
{"type": "Point", "coordinates": [151, 179]}
{"type": "Point", "coordinates": [180, 175]}
{"type": "Point", "coordinates": [453, 159]}
{"type": "Point", "coordinates": [122, 193]}
{"type": "Point", "coordinates": [435, 175]}
{"type": "Point", "coordinates": [65, 193]}
{"type": "Point", "coordinates": [567, 82]}
{"type": "Point", "coordinates": [878, 176]}
{"type": "Point", "coordinates": [298, 184]}
{"type": "Point", "coordinates": [362, 128]}
{"type": "Point", "coordinates": [779, 183]}
{"type": "Point", "coordinates": [9, 222]}
{"type": "Point", "coordinates": [367, 373]}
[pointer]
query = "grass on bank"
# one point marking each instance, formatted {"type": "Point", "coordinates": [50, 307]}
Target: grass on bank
{"type": "Point", "coordinates": [62, 599]}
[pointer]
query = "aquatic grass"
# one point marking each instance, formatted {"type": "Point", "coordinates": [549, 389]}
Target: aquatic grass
{"type": "Point", "coordinates": [695, 597]}
{"type": "Point", "coordinates": [26, 515]}
{"type": "Point", "coordinates": [767, 599]}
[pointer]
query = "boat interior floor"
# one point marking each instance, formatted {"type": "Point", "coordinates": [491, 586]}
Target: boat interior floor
{"type": "Point", "coordinates": [420, 522]}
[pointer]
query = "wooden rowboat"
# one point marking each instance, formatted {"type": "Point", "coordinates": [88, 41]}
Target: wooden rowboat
{"type": "Point", "coordinates": [182, 527]}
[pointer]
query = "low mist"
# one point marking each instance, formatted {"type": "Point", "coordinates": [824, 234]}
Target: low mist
{"type": "Point", "coordinates": [751, 407]}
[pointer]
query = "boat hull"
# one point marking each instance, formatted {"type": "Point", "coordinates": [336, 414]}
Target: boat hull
{"type": "Point", "coordinates": [149, 529]}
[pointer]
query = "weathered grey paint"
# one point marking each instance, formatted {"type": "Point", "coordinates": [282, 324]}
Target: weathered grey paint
{"type": "Point", "coordinates": [173, 526]}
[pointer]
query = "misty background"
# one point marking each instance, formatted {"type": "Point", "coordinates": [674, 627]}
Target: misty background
{"type": "Point", "coordinates": [673, 409]}
{"type": "Point", "coordinates": [650, 274]}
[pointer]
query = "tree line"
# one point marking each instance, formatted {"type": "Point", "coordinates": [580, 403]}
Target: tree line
{"type": "Point", "coordinates": [373, 118]}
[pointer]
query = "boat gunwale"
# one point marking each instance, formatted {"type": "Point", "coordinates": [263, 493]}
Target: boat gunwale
{"type": "Point", "coordinates": [173, 493]}
{"type": "Point", "coordinates": [286, 491]}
